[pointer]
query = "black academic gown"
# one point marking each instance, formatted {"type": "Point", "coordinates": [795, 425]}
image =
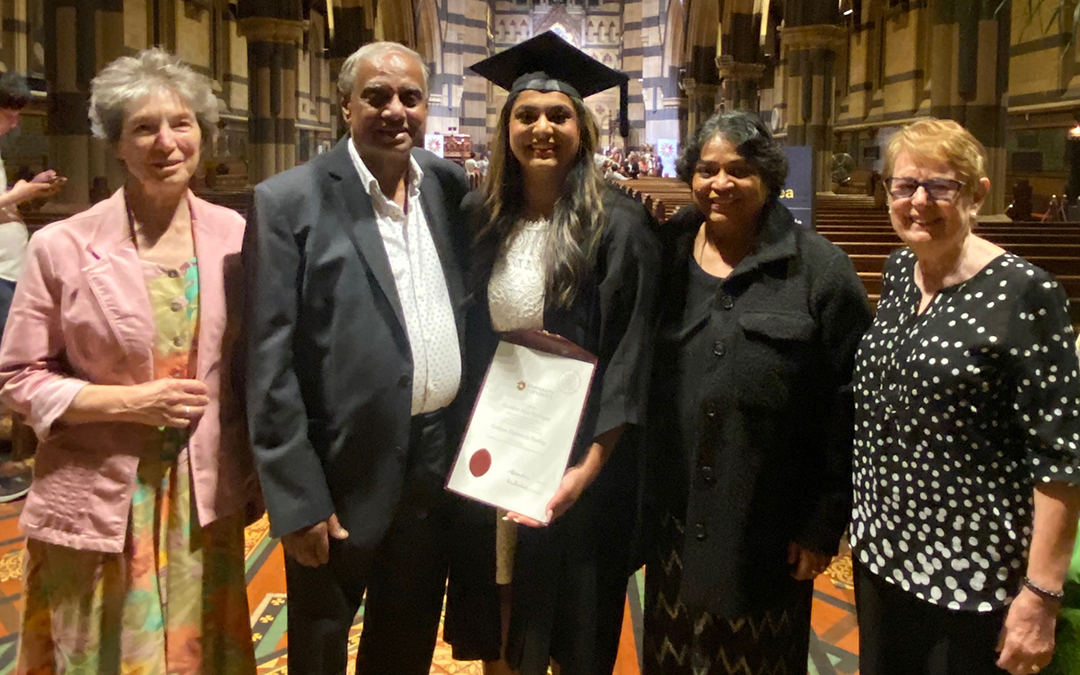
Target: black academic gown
{"type": "Point", "coordinates": [570, 577]}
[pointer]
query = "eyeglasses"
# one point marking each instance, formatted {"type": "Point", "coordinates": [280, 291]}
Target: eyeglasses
{"type": "Point", "coordinates": [938, 189]}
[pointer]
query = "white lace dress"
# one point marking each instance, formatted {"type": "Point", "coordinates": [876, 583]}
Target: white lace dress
{"type": "Point", "coordinates": [516, 302]}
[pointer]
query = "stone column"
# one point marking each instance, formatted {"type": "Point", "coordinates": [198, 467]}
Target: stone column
{"type": "Point", "coordinates": [969, 75]}
{"type": "Point", "coordinates": [741, 82]}
{"type": "Point", "coordinates": [81, 37]}
{"type": "Point", "coordinates": [14, 48]}
{"type": "Point", "coordinates": [273, 53]}
{"type": "Point", "coordinates": [700, 101]}
{"type": "Point", "coordinates": [354, 27]}
{"type": "Point", "coordinates": [811, 53]}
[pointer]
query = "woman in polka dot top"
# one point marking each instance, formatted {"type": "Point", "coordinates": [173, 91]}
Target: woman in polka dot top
{"type": "Point", "coordinates": [967, 433]}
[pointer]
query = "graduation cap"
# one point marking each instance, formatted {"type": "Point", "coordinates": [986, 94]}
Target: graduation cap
{"type": "Point", "coordinates": [549, 63]}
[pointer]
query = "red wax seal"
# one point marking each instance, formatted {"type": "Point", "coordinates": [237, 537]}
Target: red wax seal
{"type": "Point", "coordinates": [480, 462]}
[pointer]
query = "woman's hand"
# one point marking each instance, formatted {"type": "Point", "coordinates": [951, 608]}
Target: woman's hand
{"type": "Point", "coordinates": [573, 483]}
{"type": "Point", "coordinates": [166, 402]}
{"type": "Point", "coordinates": [1026, 644]}
{"type": "Point", "coordinates": [159, 403]}
{"type": "Point", "coordinates": [806, 564]}
{"type": "Point", "coordinates": [576, 478]}
{"type": "Point", "coordinates": [38, 188]}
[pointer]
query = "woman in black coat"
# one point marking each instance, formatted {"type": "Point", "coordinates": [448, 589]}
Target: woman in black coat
{"type": "Point", "coordinates": [750, 419]}
{"type": "Point", "coordinates": [555, 249]}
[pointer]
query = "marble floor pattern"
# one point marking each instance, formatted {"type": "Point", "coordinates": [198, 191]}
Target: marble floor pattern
{"type": "Point", "coordinates": [834, 642]}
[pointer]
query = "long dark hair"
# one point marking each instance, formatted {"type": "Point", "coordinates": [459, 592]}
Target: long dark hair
{"type": "Point", "coordinates": [578, 218]}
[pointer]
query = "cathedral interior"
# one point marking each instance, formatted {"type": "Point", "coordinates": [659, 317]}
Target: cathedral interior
{"type": "Point", "coordinates": [834, 75]}
{"type": "Point", "coordinates": [838, 76]}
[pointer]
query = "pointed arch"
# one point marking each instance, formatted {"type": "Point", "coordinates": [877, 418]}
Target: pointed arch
{"type": "Point", "coordinates": [703, 22]}
{"type": "Point", "coordinates": [741, 40]}
{"type": "Point", "coordinates": [702, 35]}
{"type": "Point", "coordinates": [394, 22]}
{"type": "Point", "coordinates": [429, 34]}
{"type": "Point", "coordinates": [674, 36]}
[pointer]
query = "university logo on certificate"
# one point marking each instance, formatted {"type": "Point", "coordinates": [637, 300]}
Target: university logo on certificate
{"type": "Point", "coordinates": [523, 426]}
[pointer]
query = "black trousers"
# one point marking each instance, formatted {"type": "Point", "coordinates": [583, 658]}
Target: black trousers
{"type": "Point", "coordinates": [404, 579]}
{"type": "Point", "coordinates": [900, 634]}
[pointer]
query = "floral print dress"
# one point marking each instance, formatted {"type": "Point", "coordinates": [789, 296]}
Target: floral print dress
{"type": "Point", "coordinates": [174, 602]}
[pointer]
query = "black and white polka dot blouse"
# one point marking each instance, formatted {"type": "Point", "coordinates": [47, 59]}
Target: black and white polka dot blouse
{"type": "Point", "coordinates": [959, 411]}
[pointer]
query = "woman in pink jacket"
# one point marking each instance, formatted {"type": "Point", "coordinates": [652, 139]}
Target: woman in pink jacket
{"type": "Point", "coordinates": [117, 352]}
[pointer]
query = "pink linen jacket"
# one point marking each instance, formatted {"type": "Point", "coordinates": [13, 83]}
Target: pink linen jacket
{"type": "Point", "coordinates": [81, 314]}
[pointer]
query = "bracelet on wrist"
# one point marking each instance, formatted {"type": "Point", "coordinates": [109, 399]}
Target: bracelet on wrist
{"type": "Point", "coordinates": [1044, 593]}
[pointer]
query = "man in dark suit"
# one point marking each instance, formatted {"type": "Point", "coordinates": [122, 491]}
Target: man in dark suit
{"type": "Point", "coordinates": [354, 358]}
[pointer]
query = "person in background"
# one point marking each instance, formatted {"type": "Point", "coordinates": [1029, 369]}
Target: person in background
{"type": "Point", "coordinates": [15, 476]}
{"type": "Point", "coordinates": [99, 190]}
{"type": "Point", "coordinates": [472, 170]}
{"type": "Point", "coordinates": [119, 351]}
{"type": "Point", "coordinates": [555, 249]}
{"type": "Point", "coordinates": [611, 171]}
{"type": "Point", "coordinates": [750, 415]}
{"type": "Point", "coordinates": [967, 411]}
{"type": "Point", "coordinates": [14, 95]}
{"type": "Point", "coordinates": [483, 162]}
{"type": "Point", "coordinates": [354, 304]}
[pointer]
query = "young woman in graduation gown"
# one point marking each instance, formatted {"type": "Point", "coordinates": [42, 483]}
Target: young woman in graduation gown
{"type": "Point", "coordinates": [555, 249]}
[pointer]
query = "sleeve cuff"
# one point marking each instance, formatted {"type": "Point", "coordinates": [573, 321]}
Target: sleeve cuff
{"type": "Point", "coordinates": [50, 402]}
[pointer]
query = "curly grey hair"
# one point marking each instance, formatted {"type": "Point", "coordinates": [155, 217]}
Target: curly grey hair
{"type": "Point", "coordinates": [751, 139]}
{"type": "Point", "coordinates": [347, 76]}
{"type": "Point", "coordinates": [131, 78]}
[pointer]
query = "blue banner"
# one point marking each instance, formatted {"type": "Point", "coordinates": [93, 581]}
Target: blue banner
{"type": "Point", "coordinates": [798, 194]}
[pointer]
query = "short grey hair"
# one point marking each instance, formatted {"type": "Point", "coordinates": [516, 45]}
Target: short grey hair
{"type": "Point", "coordinates": [129, 79]}
{"type": "Point", "coordinates": [347, 76]}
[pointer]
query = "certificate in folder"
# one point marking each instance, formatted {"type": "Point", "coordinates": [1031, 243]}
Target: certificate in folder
{"type": "Point", "coordinates": [524, 423]}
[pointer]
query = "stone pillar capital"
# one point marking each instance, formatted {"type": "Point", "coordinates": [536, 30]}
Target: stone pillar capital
{"type": "Point", "coordinates": [821, 36]}
{"type": "Point", "coordinates": [731, 69]}
{"type": "Point", "coordinates": [694, 88]}
{"type": "Point", "coordinates": [269, 29]}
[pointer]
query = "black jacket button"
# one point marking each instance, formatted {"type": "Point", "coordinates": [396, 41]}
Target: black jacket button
{"type": "Point", "coordinates": [708, 475]}
{"type": "Point", "coordinates": [718, 348]}
{"type": "Point", "coordinates": [727, 302]}
{"type": "Point", "coordinates": [699, 532]}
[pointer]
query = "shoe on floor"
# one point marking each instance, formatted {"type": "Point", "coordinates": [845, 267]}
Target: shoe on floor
{"type": "Point", "coordinates": [15, 485]}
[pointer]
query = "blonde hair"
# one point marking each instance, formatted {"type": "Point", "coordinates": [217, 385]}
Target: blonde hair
{"type": "Point", "coordinates": [947, 141]}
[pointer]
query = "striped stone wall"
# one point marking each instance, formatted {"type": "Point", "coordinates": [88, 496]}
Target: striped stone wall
{"type": "Point", "coordinates": [81, 36]}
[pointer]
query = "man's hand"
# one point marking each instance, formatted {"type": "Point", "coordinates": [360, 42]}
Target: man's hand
{"type": "Point", "coordinates": [311, 546]}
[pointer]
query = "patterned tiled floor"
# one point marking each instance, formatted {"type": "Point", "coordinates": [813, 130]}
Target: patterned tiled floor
{"type": "Point", "coordinates": [834, 644]}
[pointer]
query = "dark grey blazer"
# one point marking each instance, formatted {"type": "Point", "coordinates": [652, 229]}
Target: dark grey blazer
{"type": "Point", "coordinates": [329, 370]}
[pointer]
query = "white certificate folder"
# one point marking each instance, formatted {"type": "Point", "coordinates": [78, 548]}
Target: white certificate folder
{"type": "Point", "coordinates": [524, 423]}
